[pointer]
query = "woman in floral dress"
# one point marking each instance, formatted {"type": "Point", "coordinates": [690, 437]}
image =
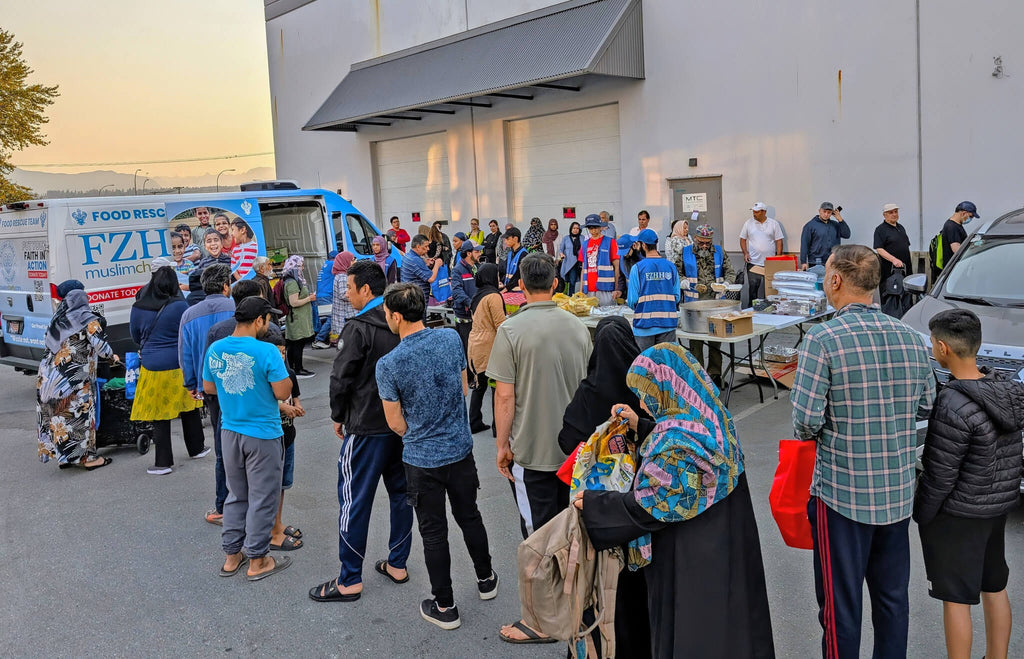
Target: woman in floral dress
{"type": "Point", "coordinates": [66, 396]}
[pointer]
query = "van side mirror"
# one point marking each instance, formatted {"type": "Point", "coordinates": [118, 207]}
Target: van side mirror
{"type": "Point", "coordinates": [916, 283]}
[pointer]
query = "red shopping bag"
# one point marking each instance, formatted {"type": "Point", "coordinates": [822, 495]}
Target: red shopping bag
{"type": "Point", "coordinates": [791, 490]}
{"type": "Point", "coordinates": [564, 472]}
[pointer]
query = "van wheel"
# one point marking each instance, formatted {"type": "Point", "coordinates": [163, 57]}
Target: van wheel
{"type": "Point", "coordinates": [143, 444]}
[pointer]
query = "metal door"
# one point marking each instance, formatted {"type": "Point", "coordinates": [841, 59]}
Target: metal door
{"type": "Point", "coordinates": [703, 195]}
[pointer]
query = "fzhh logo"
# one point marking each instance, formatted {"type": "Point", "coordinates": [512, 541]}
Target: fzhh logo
{"type": "Point", "coordinates": [80, 216]}
{"type": "Point", "coordinates": [246, 208]}
{"type": "Point", "coordinates": [8, 262]}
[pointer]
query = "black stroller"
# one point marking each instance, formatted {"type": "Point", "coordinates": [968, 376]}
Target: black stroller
{"type": "Point", "coordinates": [116, 426]}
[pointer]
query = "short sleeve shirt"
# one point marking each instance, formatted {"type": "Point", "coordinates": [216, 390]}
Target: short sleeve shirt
{"type": "Point", "coordinates": [893, 239]}
{"type": "Point", "coordinates": [761, 237]}
{"type": "Point", "coordinates": [424, 373]}
{"type": "Point", "coordinates": [952, 232]}
{"type": "Point", "coordinates": [243, 369]}
{"type": "Point", "coordinates": [543, 351]}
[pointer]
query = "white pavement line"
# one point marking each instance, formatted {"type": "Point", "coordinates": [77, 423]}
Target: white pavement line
{"type": "Point", "coordinates": [783, 395]}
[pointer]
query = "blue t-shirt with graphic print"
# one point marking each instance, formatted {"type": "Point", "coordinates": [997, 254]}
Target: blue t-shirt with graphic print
{"type": "Point", "coordinates": [424, 374]}
{"type": "Point", "coordinates": [242, 368]}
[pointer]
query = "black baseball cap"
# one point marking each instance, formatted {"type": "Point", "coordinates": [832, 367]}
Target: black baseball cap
{"type": "Point", "coordinates": [254, 307]}
{"type": "Point", "coordinates": [967, 207]}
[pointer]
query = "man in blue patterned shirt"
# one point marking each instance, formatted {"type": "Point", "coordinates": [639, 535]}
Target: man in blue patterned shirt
{"type": "Point", "coordinates": [863, 380]}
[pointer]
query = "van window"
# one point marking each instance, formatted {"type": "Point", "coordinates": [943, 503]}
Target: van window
{"type": "Point", "coordinates": [362, 233]}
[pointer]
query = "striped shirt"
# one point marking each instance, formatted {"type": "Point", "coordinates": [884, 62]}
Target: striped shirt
{"type": "Point", "coordinates": [242, 257]}
{"type": "Point", "coordinates": [862, 381]}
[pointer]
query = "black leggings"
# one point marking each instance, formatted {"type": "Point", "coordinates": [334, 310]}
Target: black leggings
{"type": "Point", "coordinates": [293, 350]}
{"type": "Point", "coordinates": [191, 430]}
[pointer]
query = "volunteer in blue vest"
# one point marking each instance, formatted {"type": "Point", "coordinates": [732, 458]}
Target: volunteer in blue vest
{"type": "Point", "coordinates": [653, 294]}
{"type": "Point", "coordinates": [513, 255]}
{"type": "Point", "coordinates": [705, 263]}
{"type": "Point", "coordinates": [600, 258]}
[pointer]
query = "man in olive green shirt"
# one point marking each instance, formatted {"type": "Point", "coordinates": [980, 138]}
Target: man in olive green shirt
{"type": "Point", "coordinates": [538, 360]}
{"type": "Point", "coordinates": [539, 357]}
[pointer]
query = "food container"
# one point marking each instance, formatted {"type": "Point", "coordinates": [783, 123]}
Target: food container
{"type": "Point", "coordinates": [693, 316]}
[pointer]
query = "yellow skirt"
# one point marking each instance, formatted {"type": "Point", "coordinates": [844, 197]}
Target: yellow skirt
{"type": "Point", "coordinates": [161, 396]}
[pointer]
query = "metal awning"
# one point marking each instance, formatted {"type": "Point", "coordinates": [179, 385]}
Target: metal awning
{"type": "Point", "coordinates": [557, 47]}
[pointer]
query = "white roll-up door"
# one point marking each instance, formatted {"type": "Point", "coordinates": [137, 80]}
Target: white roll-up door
{"type": "Point", "coordinates": [565, 159]}
{"type": "Point", "coordinates": [412, 176]}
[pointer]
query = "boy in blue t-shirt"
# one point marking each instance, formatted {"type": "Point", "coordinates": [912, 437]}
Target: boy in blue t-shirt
{"type": "Point", "coordinates": [424, 401]}
{"type": "Point", "coordinates": [249, 377]}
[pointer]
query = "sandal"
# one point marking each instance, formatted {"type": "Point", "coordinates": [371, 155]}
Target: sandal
{"type": "Point", "coordinates": [531, 636]}
{"type": "Point", "coordinates": [105, 462]}
{"type": "Point", "coordinates": [382, 567]}
{"type": "Point", "coordinates": [214, 517]}
{"type": "Point", "coordinates": [279, 564]}
{"type": "Point", "coordinates": [331, 593]}
{"type": "Point", "coordinates": [293, 532]}
{"type": "Point", "coordinates": [230, 573]}
{"type": "Point", "coordinates": [288, 544]}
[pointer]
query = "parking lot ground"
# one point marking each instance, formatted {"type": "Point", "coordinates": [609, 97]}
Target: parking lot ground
{"type": "Point", "coordinates": [120, 563]}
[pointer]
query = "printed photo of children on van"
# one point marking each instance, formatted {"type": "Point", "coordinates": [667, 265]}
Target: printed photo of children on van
{"type": "Point", "coordinates": [245, 249]}
{"type": "Point", "coordinates": [182, 265]}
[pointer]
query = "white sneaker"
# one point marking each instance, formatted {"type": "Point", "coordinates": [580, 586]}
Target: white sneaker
{"type": "Point", "coordinates": [320, 345]}
{"type": "Point", "coordinates": [158, 471]}
{"type": "Point", "coordinates": [202, 454]}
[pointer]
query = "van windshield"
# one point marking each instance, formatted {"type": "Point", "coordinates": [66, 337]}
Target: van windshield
{"type": "Point", "coordinates": [981, 272]}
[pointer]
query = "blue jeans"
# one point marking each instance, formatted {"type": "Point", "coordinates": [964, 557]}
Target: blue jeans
{"type": "Point", "coordinates": [573, 278]}
{"type": "Point", "coordinates": [324, 333]}
{"type": "Point", "coordinates": [364, 460]}
{"type": "Point", "coordinates": [218, 469]}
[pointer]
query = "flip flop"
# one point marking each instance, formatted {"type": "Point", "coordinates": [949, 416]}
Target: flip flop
{"type": "Point", "coordinates": [288, 544]}
{"type": "Point", "coordinates": [280, 563]}
{"type": "Point", "coordinates": [230, 573]}
{"type": "Point", "coordinates": [105, 462]}
{"type": "Point", "coordinates": [531, 636]}
{"type": "Point", "coordinates": [382, 567]}
{"type": "Point", "coordinates": [214, 517]}
{"type": "Point", "coordinates": [293, 532]}
{"type": "Point", "coordinates": [331, 593]}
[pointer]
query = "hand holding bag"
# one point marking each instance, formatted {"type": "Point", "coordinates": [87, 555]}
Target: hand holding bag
{"type": "Point", "coordinates": [791, 490]}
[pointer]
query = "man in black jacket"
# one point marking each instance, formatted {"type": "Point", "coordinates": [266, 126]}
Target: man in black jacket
{"type": "Point", "coordinates": [369, 449]}
{"type": "Point", "coordinates": [464, 288]}
{"type": "Point", "coordinates": [972, 472]}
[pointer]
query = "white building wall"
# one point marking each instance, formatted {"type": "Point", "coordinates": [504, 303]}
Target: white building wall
{"type": "Point", "coordinates": [752, 90]}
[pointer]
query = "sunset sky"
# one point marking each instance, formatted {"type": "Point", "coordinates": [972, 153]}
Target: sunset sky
{"type": "Point", "coordinates": [147, 81]}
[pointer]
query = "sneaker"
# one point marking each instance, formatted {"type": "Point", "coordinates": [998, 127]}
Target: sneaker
{"type": "Point", "coordinates": [158, 471]}
{"type": "Point", "coordinates": [447, 619]}
{"type": "Point", "coordinates": [305, 374]}
{"type": "Point", "coordinates": [202, 454]}
{"type": "Point", "coordinates": [320, 345]}
{"type": "Point", "coordinates": [488, 587]}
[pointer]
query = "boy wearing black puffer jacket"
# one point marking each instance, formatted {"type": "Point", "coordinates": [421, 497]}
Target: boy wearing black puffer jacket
{"type": "Point", "coordinates": [971, 479]}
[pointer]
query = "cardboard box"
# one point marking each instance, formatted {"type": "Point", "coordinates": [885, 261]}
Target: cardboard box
{"type": "Point", "coordinates": [784, 374]}
{"type": "Point", "coordinates": [728, 325]}
{"type": "Point", "coordinates": [773, 264]}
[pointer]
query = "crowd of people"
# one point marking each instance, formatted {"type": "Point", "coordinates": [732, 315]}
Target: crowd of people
{"type": "Point", "coordinates": [862, 381]}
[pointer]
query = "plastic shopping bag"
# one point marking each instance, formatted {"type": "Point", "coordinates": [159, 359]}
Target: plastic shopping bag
{"type": "Point", "coordinates": [131, 375]}
{"type": "Point", "coordinates": [791, 491]}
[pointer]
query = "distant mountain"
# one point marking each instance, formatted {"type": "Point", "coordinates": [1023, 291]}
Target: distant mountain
{"type": "Point", "coordinates": [53, 185]}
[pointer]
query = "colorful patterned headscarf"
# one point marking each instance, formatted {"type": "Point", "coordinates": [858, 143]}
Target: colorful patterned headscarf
{"type": "Point", "coordinates": [692, 459]}
{"type": "Point", "coordinates": [706, 231]}
{"type": "Point", "coordinates": [293, 267]}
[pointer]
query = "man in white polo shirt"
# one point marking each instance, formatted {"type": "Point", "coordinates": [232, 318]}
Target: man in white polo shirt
{"type": "Point", "coordinates": [761, 237]}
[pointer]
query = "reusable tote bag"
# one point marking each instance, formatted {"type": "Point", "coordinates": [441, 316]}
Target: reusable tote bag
{"type": "Point", "coordinates": [791, 490]}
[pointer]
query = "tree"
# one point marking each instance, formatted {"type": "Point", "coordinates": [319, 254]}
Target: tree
{"type": "Point", "coordinates": [21, 113]}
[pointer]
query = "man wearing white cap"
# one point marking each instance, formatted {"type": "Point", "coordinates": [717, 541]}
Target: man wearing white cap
{"type": "Point", "coordinates": [893, 246]}
{"type": "Point", "coordinates": [760, 237]}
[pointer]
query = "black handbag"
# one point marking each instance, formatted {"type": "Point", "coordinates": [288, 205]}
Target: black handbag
{"type": "Point", "coordinates": [894, 283]}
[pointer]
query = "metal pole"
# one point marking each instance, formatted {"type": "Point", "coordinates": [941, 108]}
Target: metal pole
{"type": "Point", "coordinates": [144, 185]}
{"type": "Point", "coordinates": [218, 177]}
{"type": "Point", "coordinates": [108, 185]}
{"type": "Point", "coordinates": [135, 180]}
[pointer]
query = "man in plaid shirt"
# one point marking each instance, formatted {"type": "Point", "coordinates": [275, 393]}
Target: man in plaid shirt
{"type": "Point", "coordinates": [863, 380]}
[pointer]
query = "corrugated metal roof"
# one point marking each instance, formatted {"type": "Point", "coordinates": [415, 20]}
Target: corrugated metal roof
{"type": "Point", "coordinates": [580, 37]}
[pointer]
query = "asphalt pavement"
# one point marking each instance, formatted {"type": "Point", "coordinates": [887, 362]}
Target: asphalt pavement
{"type": "Point", "coordinates": [118, 563]}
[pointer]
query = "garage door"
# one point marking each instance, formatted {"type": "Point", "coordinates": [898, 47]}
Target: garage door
{"type": "Point", "coordinates": [412, 176]}
{"type": "Point", "coordinates": [565, 159]}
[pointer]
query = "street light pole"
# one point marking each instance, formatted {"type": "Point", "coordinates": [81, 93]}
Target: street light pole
{"type": "Point", "coordinates": [218, 177]}
{"type": "Point", "coordinates": [108, 185]}
{"type": "Point", "coordinates": [144, 185]}
{"type": "Point", "coordinates": [135, 180]}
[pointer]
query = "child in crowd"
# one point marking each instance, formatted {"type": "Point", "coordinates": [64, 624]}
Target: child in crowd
{"type": "Point", "coordinates": [287, 538]}
{"type": "Point", "coordinates": [244, 251]}
{"type": "Point", "coordinates": [192, 251]}
{"type": "Point", "coordinates": [970, 480]}
{"type": "Point", "coordinates": [182, 265]}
